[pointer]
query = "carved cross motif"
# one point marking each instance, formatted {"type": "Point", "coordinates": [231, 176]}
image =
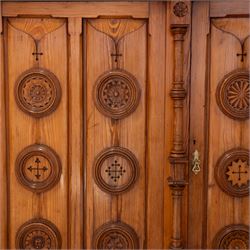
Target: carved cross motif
{"type": "Point", "coordinates": [115, 171]}
{"type": "Point", "coordinates": [242, 55]}
{"type": "Point", "coordinates": [116, 55]}
{"type": "Point", "coordinates": [37, 54]}
{"type": "Point", "coordinates": [238, 173]}
{"type": "Point", "coordinates": [37, 168]}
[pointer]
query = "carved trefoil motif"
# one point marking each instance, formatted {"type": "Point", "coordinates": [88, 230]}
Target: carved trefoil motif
{"type": "Point", "coordinates": [233, 94]}
{"type": "Point", "coordinates": [38, 168]}
{"type": "Point", "coordinates": [232, 172]}
{"type": "Point", "coordinates": [234, 236]}
{"type": "Point", "coordinates": [117, 94]}
{"type": "Point", "coordinates": [38, 234]}
{"type": "Point", "coordinates": [115, 236]}
{"type": "Point", "coordinates": [38, 92]}
{"type": "Point", "coordinates": [116, 169]}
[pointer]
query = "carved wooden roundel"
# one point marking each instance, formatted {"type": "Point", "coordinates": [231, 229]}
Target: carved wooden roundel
{"type": "Point", "coordinates": [38, 92]}
{"type": "Point", "coordinates": [180, 9]}
{"type": "Point", "coordinates": [115, 236]}
{"type": "Point", "coordinates": [38, 168]}
{"type": "Point", "coordinates": [38, 234]}
{"type": "Point", "coordinates": [233, 94]}
{"type": "Point", "coordinates": [117, 94]}
{"type": "Point", "coordinates": [232, 237]}
{"type": "Point", "coordinates": [116, 170]}
{"type": "Point", "coordinates": [232, 172]}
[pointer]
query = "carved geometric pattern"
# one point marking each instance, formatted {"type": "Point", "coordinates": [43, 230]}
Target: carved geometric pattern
{"type": "Point", "coordinates": [38, 92]}
{"type": "Point", "coordinates": [232, 237]}
{"type": "Point", "coordinates": [38, 234]}
{"type": "Point", "coordinates": [117, 94]}
{"type": "Point", "coordinates": [233, 94]}
{"type": "Point", "coordinates": [180, 9]}
{"type": "Point", "coordinates": [116, 170]}
{"type": "Point", "coordinates": [115, 236]}
{"type": "Point", "coordinates": [232, 172]}
{"type": "Point", "coordinates": [38, 168]}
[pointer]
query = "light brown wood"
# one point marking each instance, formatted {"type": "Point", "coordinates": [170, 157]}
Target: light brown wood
{"type": "Point", "coordinates": [85, 9]}
{"type": "Point", "coordinates": [48, 131]}
{"type": "Point", "coordinates": [156, 159]}
{"type": "Point", "coordinates": [229, 8]}
{"type": "Point", "coordinates": [198, 129]}
{"type": "Point", "coordinates": [75, 134]}
{"type": "Point", "coordinates": [3, 160]}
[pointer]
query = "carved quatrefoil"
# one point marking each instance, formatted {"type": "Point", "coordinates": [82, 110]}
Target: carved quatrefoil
{"type": "Point", "coordinates": [38, 168]}
{"type": "Point", "coordinates": [233, 94]}
{"type": "Point", "coordinates": [115, 236]}
{"type": "Point", "coordinates": [232, 172]}
{"type": "Point", "coordinates": [38, 234]}
{"type": "Point", "coordinates": [38, 92]}
{"type": "Point", "coordinates": [116, 170]}
{"type": "Point", "coordinates": [117, 94]}
{"type": "Point", "coordinates": [232, 237]}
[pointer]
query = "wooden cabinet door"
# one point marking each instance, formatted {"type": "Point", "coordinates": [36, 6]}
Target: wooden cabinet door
{"type": "Point", "coordinates": [82, 123]}
{"type": "Point", "coordinates": [219, 149]}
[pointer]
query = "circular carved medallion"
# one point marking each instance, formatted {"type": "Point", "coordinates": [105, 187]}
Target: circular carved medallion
{"type": "Point", "coordinates": [115, 170]}
{"type": "Point", "coordinates": [117, 94]}
{"type": "Point", "coordinates": [232, 237]}
{"type": "Point", "coordinates": [232, 172]}
{"type": "Point", "coordinates": [38, 234]}
{"type": "Point", "coordinates": [38, 168]}
{"type": "Point", "coordinates": [115, 236]}
{"type": "Point", "coordinates": [180, 9]}
{"type": "Point", "coordinates": [38, 92]}
{"type": "Point", "coordinates": [233, 93]}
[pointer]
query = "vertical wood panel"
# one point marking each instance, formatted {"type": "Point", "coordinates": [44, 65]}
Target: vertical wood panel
{"type": "Point", "coordinates": [156, 152]}
{"type": "Point", "coordinates": [24, 130]}
{"type": "Point", "coordinates": [226, 131]}
{"type": "Point", "coordinates": [3, 162]}
{"type": "Point", "coordinates": [102, 132]}
{"type": "Point", "coordinates": [197, 183]}
{"type": "Point", "coordinates": [75, 134]}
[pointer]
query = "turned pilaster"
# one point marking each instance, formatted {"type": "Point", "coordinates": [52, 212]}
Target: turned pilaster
{"type": "Point", "coordinates": [178, 153]}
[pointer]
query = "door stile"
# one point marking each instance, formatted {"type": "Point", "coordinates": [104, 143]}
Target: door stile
{"type": "Point", "coordinates": [75, 201]}
{"type": "Point", "coordinates": [3, 159]}
{"type": "Point", "coordinates": [198, 124]}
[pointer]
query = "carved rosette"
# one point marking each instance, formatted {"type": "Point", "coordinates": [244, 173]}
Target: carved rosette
{"type": "Point", "coordinates": [38, 168]}
{"type": "Point", "coordinates": [233, 94]}
{"type": "Point", "coordinates": [37, 92]}
{"type": "Point", "coordinates": [117, 94]}
{"type": "Point", "coordinates": [38, 234]}
{"type": "Point", "coordinates": [116, 170]}
{"type": "Point", "coordinates": [115, 236]}
{"type": "Point", "coordinates": [232, 237]}
{"type": "Point", "coordinates": [180, 9]}
{"type": "Point", "coordinates": [232, 172]}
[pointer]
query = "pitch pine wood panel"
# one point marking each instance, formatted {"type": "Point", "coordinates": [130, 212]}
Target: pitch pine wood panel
{"type": "Point", "coordinates": [103, 132]}
{"type": "Point", "coordinates": [225, 133]}
{"type": "Point", "coordinates": [85, 10]}
{"type": "Point", "coordinates": [24, 130]}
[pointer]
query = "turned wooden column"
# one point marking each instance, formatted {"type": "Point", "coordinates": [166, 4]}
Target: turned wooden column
{"type": "Point", "coordinates": [178, 153]}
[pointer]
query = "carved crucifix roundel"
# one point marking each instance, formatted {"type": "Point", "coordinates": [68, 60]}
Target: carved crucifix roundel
{"type": "Point", "coordinates": [38, 234]}
{"type": "Point", "coordinates": [232, 172]}
{"type": "Point", "coordinates": [38, 92]}
{"type": "Point", "coordinates": [115, 236]}
{"type": "Point", "coordinates": [115, 170]}
{"type": "Point", "coordinates": [234, 236]}
{"type": "Point", "coordinates": [38, 168]}
{"type": "Point", "coordinates": [233, 94]}
{"type": "Point", "coordinates": [117, 94]}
